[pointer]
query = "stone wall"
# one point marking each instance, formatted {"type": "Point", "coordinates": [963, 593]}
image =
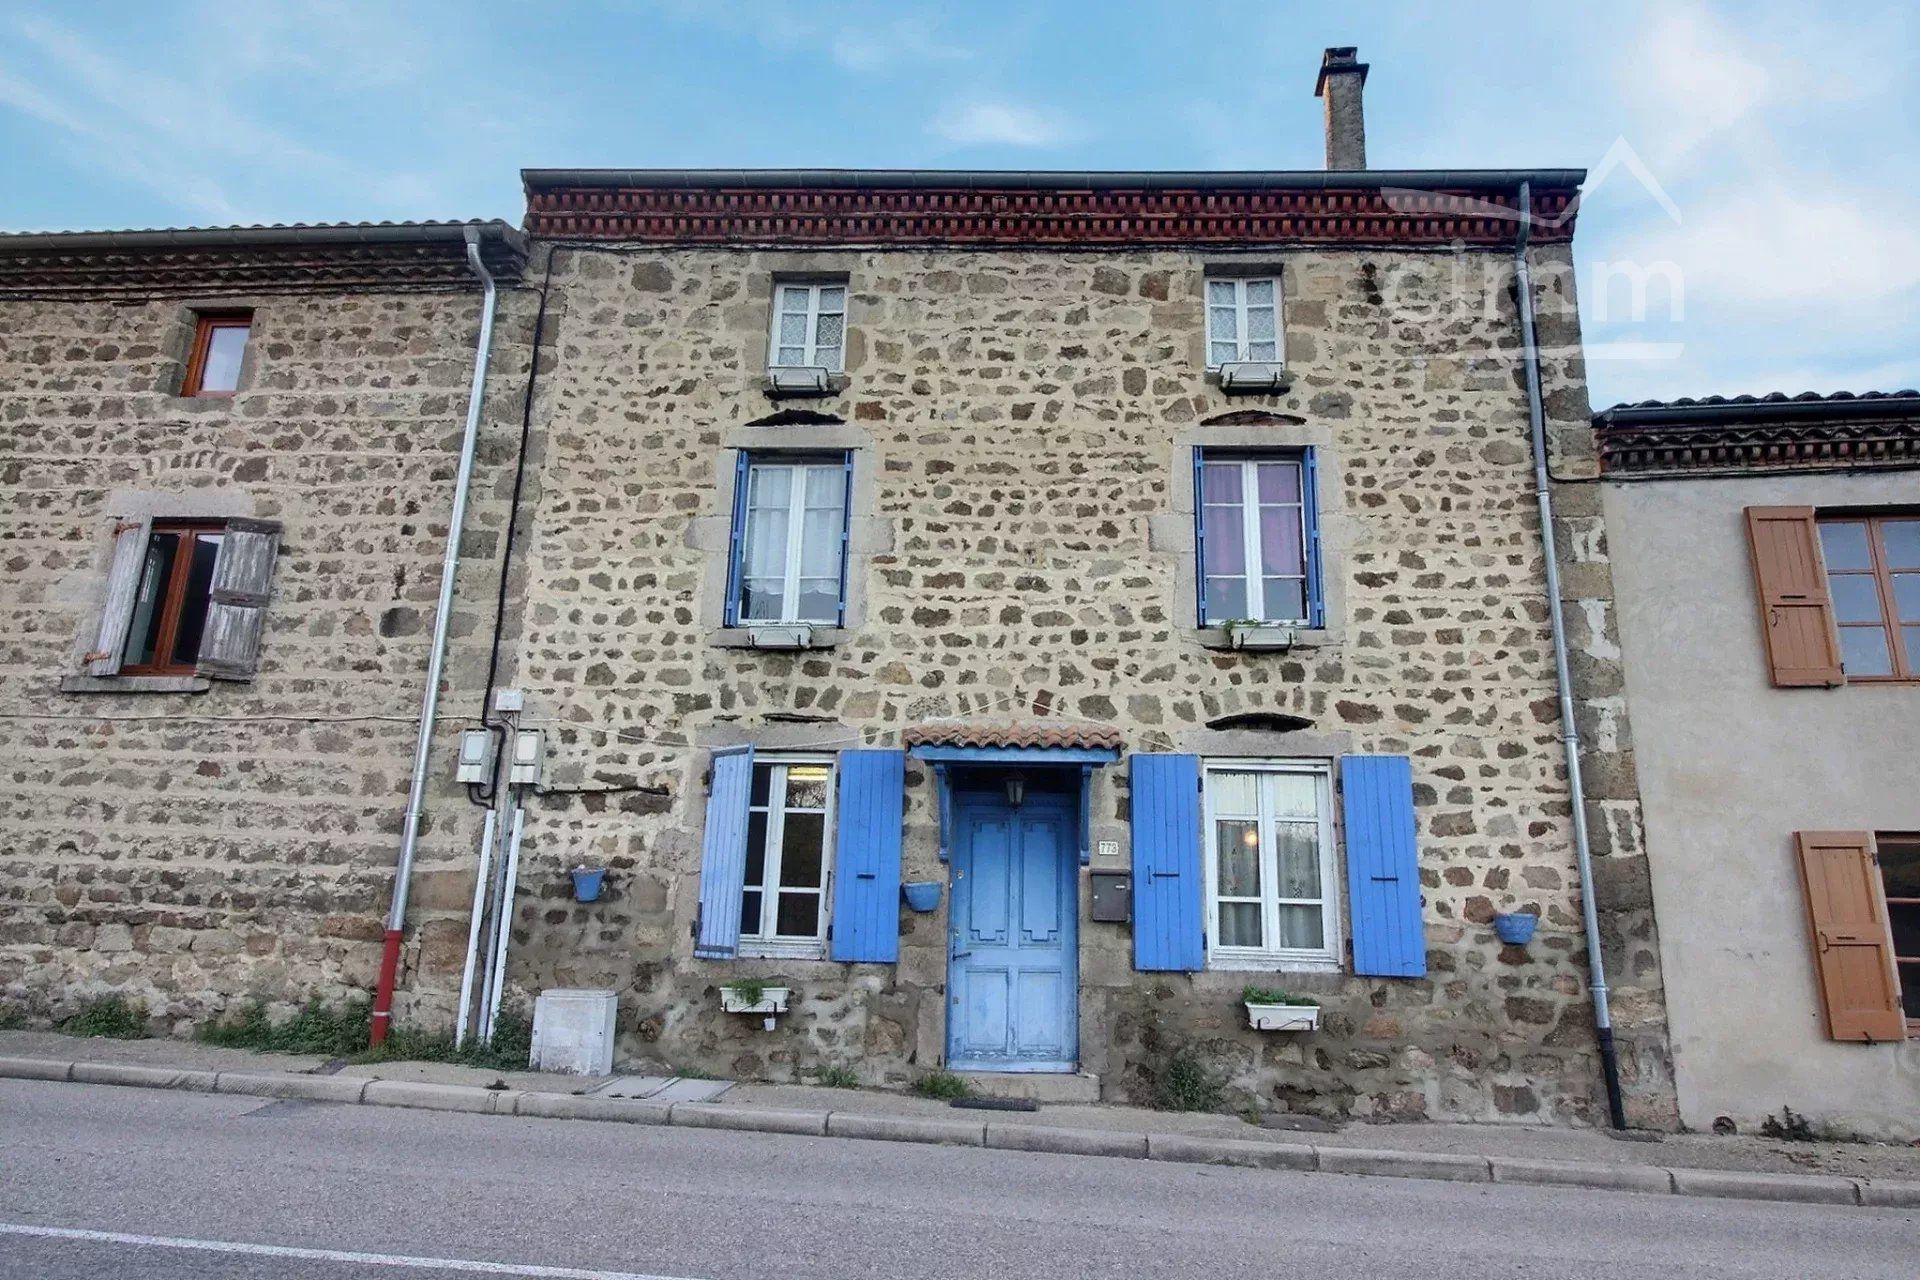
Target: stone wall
{"type": "Point", "coordinates": [194, 850]}
{"type": "Point", "coordinates": [1024, 418]}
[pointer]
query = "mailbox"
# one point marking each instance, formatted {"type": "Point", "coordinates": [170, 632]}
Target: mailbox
{"type": "Point", "coordinates": [1113, 896]}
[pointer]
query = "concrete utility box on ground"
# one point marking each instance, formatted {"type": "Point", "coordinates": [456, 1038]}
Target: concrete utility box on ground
{"type": "Point", "coordinates": [573, 1031]}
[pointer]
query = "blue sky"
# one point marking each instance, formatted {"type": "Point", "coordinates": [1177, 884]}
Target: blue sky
{"type": "Point", "coordinates": [1786, 138]}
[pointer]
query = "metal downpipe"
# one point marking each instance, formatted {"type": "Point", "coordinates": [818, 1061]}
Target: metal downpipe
{"type": "Point", "coordinates": [436, 654]}
{"type": "Point", "coordinates": [1570, 730]}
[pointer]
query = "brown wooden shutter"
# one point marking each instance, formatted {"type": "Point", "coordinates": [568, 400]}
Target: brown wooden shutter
{"type": "Point", "coordinates": [242, 577]}
{"type": "Point", "coordinates": [1796, 607]}
{"type": "Point", "coordinates": [1852, 946]}
{"type": "Point", "coordinates": [130, 539]}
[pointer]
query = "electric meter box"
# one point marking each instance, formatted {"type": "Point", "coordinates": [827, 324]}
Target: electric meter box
{"type": "Point", "coordinates": [573, 1031]}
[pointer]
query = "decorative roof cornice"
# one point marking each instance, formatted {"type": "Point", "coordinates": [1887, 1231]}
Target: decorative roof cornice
{"type": "Point", "coordinates": [211, 261]}
{"type": "Point", "coordinates": [1839, 432]}
{"type": "Point", "coordinates": [918, 208]}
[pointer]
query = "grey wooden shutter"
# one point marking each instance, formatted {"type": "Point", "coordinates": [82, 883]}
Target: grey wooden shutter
{"type": "Point", "coordinates": [123, 586]}
{"type": "Point", "coordinates": [242, 577]}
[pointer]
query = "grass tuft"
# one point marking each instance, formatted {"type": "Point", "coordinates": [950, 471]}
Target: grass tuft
{"type": "Point", "coordinates": [943, 1085]}
{"type": "Point", "coordinates": [110, 1018]}
{"type": "Point", "coordinates": [12, 1019]}
{"type": "Point", "coordinates": [837, 1077]}
{"type": "Point", "coordinates": [343, 1032]}
{"type": "Point", "coordinates": [1187, 1083]}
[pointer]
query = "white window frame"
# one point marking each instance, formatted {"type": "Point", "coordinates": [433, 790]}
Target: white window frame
{"type": "Point", "coordinates": [811, 347]}
{"type": "Point", "coordinates": [754, 942]}
{"type": "Point", "coordinates": [1323, 959]}
{"type": "Point", "coordinates": [799, 469]}
{"type": "Point", "coordinates": [1255, 566]}
{"type": "Point", "coordinates": [1240, 310]}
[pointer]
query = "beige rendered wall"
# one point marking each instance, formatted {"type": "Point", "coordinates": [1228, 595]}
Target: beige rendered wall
{"type": "Point", "coordinates": [1730, 767]}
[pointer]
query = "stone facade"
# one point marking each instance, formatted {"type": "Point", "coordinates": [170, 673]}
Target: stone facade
{"type": "Point", "coordinates": [1022, 420]}
{"type": "Point", "coordinates": [196, 848]}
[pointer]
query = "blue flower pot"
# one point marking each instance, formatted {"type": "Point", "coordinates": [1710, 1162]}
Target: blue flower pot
{"type": "Point", "coordinates": [922, 895]}
{"type": "Point", "coordinates": [587, 882]}
{"type": "Point", "coordinates": [1516, 930]}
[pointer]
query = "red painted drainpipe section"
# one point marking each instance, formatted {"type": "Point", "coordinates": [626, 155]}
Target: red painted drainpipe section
{"type": "Point", "coordinates": [436, 659]}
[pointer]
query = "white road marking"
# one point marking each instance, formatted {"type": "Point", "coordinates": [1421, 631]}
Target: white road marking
{"type": "Point", "coordinates": [324, 1255]}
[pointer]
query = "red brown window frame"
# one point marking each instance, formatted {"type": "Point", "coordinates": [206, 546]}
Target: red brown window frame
{"type": "Point", "coordinates": [204, 325]}
{"type": "Point", "coordinates": [172, 600]}
{"type": "Point", "coordinates": [1904, 672]}
{"type": "Point", "coordinates": [1905, 968]}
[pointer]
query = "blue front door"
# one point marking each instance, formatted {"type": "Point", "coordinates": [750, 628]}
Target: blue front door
{"type": "Point", "coordinates": [1013, 979]}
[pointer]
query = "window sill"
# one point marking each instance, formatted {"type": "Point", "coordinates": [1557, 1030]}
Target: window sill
{"type": "Point", "coordinates": [1257, 962]}
{"type": "Point", "coordinates": [742, 638]}
{"type": "Point", "coordinates": [757, 950]}
{"type": "Point", "coordinates": [135, 684]}
{"type": "Point", "coordinates": [1304, 638]}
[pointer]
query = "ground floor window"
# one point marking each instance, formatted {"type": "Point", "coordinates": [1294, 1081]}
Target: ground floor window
{"type": "Point", "coordinates": [784, 900]}
{"type": "Point", "coordinates": [1271, 896]}
{"type": "Point", "coordinates": [1900, 874]}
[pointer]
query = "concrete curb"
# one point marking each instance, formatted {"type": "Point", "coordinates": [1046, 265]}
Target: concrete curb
{"type": "Point", "coordinates": [1792, 1188]}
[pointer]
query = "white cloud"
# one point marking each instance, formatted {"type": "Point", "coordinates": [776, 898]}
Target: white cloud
{"type": "Point", "coordinates": [988, 122]}
{"type": "Point", "coordinates": [1688, 80]}
{"type": "Point", "coordinates": [861, 37]}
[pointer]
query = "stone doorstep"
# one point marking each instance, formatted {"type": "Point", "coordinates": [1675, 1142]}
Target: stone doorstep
{"type": "Point", "coordinates": [1177, 1148]}
{"type": "Point", "coordinates": [1057, 1087]}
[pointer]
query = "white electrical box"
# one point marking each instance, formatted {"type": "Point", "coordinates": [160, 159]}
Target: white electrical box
{"type": "Point", "coordinates": [509, 700]}
{"type": "Point", "coordinates": [573, 1031]}
{"type": "Point", "coordinates": [476, 756]}
{"type": "Point", "coordinates": [529, 753]}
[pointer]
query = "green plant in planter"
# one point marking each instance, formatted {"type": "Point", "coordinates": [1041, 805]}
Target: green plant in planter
{"type": "Point", "coordinates": [1271, 995]}
{"type": "Point", "coordinates": [750, 991]}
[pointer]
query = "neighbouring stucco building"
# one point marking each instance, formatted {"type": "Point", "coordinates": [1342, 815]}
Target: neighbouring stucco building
{"type": "Point", "coordinates": [1150, 563]}
{"type": "Point", "coordinates": [1766, 559]}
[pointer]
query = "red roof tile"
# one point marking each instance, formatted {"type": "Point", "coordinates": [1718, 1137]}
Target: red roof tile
{"type": "Point", "coordinates": [1028, 733]}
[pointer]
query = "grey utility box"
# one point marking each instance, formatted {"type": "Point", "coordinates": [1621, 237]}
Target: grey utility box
{"type": "Point", "coordinates": [573, 1031]}
{"type": "Point", "coordinates": [1112, 896]}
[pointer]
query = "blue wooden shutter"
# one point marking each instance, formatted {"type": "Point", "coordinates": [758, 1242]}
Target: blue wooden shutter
{"type": "Point", "coordinates": [723, 855]}
{"type": "Point", "coordinates": [1383, 867]}
{"type": "Point", "coordinates": [866, 874]}
{"type": "Point", "coordinates": [1200, 535]}
{"type": "Point", "coordinates": [1310, 495]}
{"type": "Point", "coordinates": [1167, 877]}
{"type": "Point", "coordinates": [736, 538]}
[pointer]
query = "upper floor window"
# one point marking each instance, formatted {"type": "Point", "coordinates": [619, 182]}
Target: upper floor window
{"type": "Point", "coordinates": [789, 540]}
{"type": "Point", "coordinates": [1243, 319]}
{"type": "Point", "coordinates": [170, 605]}
{"type": "Point", "coordinates": [1257, 537]}
{"type": "Point", "coordinates": [809, 326]}
{"type": "Point", "coordinates": [783, 898]}
{"type": "Point", "coordinates": [1270, 874]}
{"type": "Point", "coordinates": [219, 343]}
{"type": "Point", "coordinates": [1873, 572]}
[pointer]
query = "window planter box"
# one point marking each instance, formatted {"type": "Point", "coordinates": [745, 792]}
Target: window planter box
{"type": "Point", "coordinates": [1266, 636]}
{"type": "Point", "coordinates": [788, 637]}
{"type": "Point", "coordinates": [773, 1000]}
{"type": "Point", "coordinates": [1283, 1017]}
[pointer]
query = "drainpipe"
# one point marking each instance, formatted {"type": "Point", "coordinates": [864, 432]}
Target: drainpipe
{"type": "Point", "coordinates": [1570, 730]}
{"type": "Point", "coordinates": [436, 654]}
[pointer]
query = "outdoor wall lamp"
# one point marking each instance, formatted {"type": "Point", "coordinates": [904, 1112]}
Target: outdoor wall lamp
{"type": "Point", "coordinates": [1016, 790]}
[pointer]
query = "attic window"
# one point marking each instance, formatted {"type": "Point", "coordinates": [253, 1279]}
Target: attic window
{"type": "Point", "coordinates": [1262, 721]}
{"type": "Point", "coordinates": [219, 344]}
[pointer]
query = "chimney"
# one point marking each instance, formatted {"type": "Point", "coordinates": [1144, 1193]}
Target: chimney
{"type": "Point", "coordinates": [1340, 82]}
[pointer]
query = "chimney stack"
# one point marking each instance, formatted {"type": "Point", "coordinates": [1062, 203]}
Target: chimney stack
{"type": "Point", "coordinates": [1340, 82]}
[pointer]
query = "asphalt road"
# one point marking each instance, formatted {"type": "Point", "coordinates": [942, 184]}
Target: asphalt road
{"type": "Point", "coordinates": [98, 1181]}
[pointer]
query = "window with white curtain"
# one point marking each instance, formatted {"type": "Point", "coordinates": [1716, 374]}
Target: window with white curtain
{"type": "Point", "coordinates": [791, 540]}
{"type": "Point", "coordinates": [1271, 894]}
{"type": "Point", "coordinates": [1255, 526]}
{"type": "Point", "coordinates": [784, 894]}
{"type": "Point", "coordinates": [809, 326]}
{"type": "Point", "coordinates": [1243, 319]}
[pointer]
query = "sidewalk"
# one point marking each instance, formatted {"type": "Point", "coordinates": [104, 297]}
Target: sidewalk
{"type": "Point", "coordinates": [1700, 1165]}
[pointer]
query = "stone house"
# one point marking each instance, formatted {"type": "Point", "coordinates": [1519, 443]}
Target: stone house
{"type": "Point", "coordinates": [1142, 572]}
{"type": "Point", "coordinates": [227, 461]}
{"type": "Point", "coordinates": [1767, 562]}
